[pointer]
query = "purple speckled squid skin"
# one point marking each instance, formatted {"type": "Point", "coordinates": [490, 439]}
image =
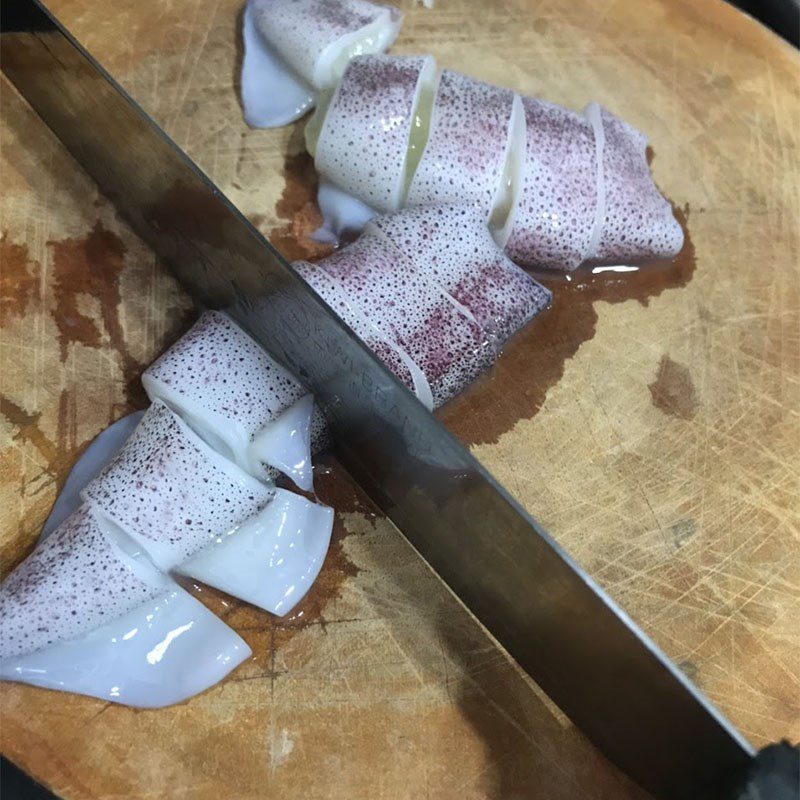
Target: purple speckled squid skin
{"type": "Point", "coordinates": [334, 295]}
{"type": "Point", "coordinates": [555, 217]}
{"type": "Point", "coordinates": [168, 489]}
{"type": "Point", "coordinates": [639, 224]}
{"type": "Point", "coordinates": [363, 143]}
{"type": "Point", "coordinates": [387, 288]}
{"type": "Point", "coordinates": [399, 275]}
{"type": "Point", "coordinates": [301, 29]}
{"type": "Point", "coordinates": [222, 369]}
{"type": "Point", "coordinates": [463, 160]}
{"type": "Point", "coordinates": [453, 245]}
{"type": "Point", "coordinates": [72, 583]}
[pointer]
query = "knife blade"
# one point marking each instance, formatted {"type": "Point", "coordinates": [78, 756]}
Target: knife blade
{"type": "Point", "coordinates": [550, 616]}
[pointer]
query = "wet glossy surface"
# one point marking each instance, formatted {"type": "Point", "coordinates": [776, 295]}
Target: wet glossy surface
{"type": "Point", "coordinates": [272, 559]}
{"type": "Point", "coordinates": [272, 95]}
{"type": "Point", "coordinates": [158, 654]}
{"type": "Point", "coordinates": [285, 443]}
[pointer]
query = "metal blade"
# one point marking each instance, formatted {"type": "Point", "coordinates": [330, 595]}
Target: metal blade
{"type": "Point", "coordinates": [551, 617]}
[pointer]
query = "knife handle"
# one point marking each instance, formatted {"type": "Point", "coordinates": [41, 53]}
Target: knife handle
{"type": "Point", "coordinates": [773, 775]}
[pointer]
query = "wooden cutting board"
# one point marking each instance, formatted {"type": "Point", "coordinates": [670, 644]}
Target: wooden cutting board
{"type": "Point", "coordinates": [650, 423]}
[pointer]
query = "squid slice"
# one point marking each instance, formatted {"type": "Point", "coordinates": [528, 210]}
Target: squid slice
{"type": "Point", "coordinates": [296, 48]}
{"type": "Point", "coordinates": [232, 393]}
{"type": "Point", "coordinates": [171, 493]}
{"type": "Point", "coordinates": [475, 151]}
{"type": "Point", "coordinates": [444, 343]}
{"type": "Point", "coordinates": [272, 95]}
{"type": "Point", "coordinates": [194, 512]}
{"type": "Point", "coordinates": [286, 442]}
{"type": "Point", "coordinates": [371, 332]}
{"type": "Point", "coordinates": [459, 253]}
{"type": "Point", "coordinates": [637, 221]}
{"type": "Point", "coordinates": [556, 215]}
{"type": "Point", "coordinates": [274, 556]}
{"type": "Point", "coordinates": [99, 452]}
{"type": "Point", "coordinates": [588, 195]}
{"type": "Point", "coordinates": [87, 613]}
{"type": "Point", "coordinates": [74, 581]}
{"type": "Point", "coordinates": [368, 138]}
{"type": "Point", "coordinates": [342, 213]}
{"type": "Point", "coordinates": [430, 293]}
{"type": "Point", "coordinates": [286, 543]}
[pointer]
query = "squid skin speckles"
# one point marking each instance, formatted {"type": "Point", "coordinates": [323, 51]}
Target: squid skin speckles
{"type": "Point", "coordinates": [364, 140]}
{"type": "Point", "coordinates": [555, 217]}
{"type": "Point", "coordinates": [573, 210]}
{"type": "Point", "coordinates": [638, 223]}
{"type": "Point", "coordinates": [558, 188]}
{"type": "Point", "coordinates": [88, 613]}
{"type": "Point", "coordinates": [171, 493]}
{"type": "Point", "coordinates": [294, 49]}
{"type": "Point", "coordinates": [452, 245]}
{"type": "Point", "coordinates": [228, 389]}
{"type": "Point", "coordinates": [73, 582]}
{"type": "Point", "coordinates": [315, 37]}
{"type": "Point", "coordinates": [437, 287]}
{"type": "Point", "coordinates": [470, 133]}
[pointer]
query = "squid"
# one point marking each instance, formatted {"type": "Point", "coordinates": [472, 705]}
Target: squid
{"type": "Point", "coordinates": [88, 612]}
{"type": "Point", "coordinates": [195, 513]}
{"type": "Point", "coordinates": [237, 399]}
{"type": "Point", "coordinates": [95, 608]}
{"type": "Point", "coordinates": [295, 49]}
{"type": "Point", "coordinates": [384, 105]}
{"type": "Point", "coordinates": [558, 188]}
{"type": "Point", "coordinates": [429, 291]}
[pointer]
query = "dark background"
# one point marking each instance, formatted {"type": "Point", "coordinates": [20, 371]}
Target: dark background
{"type": "Point", "coordinates": [783, 16]}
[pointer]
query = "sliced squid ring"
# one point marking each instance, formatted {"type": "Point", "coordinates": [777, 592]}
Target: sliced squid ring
{"type": "Point", "coordinates": [171, 493]}
{"type": "Point", "coordinates": [475, 151]}
{"type": "Point", "coordinates": [368, 136]}
{"type": "Point", "coordinates": [453, 247]}
{"type": "Point", "coordinates": [638, 224]}
{"type": "Point", "coordinates": [429, 285]}
{"type": "Point", "coordinates": [297, 48]}
{"type": "Point", "coordinates": [236, 398]}
{"type": "Point", "coordinates": [588, 195]}
{"type": "Point", "coordinates": [86, 613]}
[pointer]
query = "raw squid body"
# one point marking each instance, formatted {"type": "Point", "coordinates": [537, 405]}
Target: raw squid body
{"type": "Point", "coordinates": [559, 188]}
{"type": "Point", "coordinates": [588, 195]}
{"type": "Point", "coordinates": [383, 105]}
{"type": "Point", "coordinates": [171, 493]}
{"type": "Point", "coordinates": [294, 49]}
{"type": "Point", "coordinates": [393, 134]}
{"type": "Point", "coordinates": [474, 151]}
{"type": "Point", "coordinates": [235, 397]}
{"type": "Point", "coordinates": [194, 512]}
{"type": "Point", "coordinates": [87, 612]}
{"type": "Point", "coordinates": [93, 610]}
{"type": "Point", "coordinates": [436, 322]}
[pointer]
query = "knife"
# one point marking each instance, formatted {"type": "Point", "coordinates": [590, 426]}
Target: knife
{"type": "Point", "coordinates": [550, 616]}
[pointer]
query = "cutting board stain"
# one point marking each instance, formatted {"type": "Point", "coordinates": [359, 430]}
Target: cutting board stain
{"type": "Point", "coordinates": [533, 361]}
{"type": "Point", "coordinates": [297, 207]}
{"type": "Point", "coordinates": [91, 266]}
{"type": "Point", "coordinates": [673, 390]}
{"type": "Point", "coordinates": [18, 281]}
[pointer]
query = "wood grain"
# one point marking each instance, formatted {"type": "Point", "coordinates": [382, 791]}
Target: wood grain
{"type": "Point", "coordinates": [654, 431]}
